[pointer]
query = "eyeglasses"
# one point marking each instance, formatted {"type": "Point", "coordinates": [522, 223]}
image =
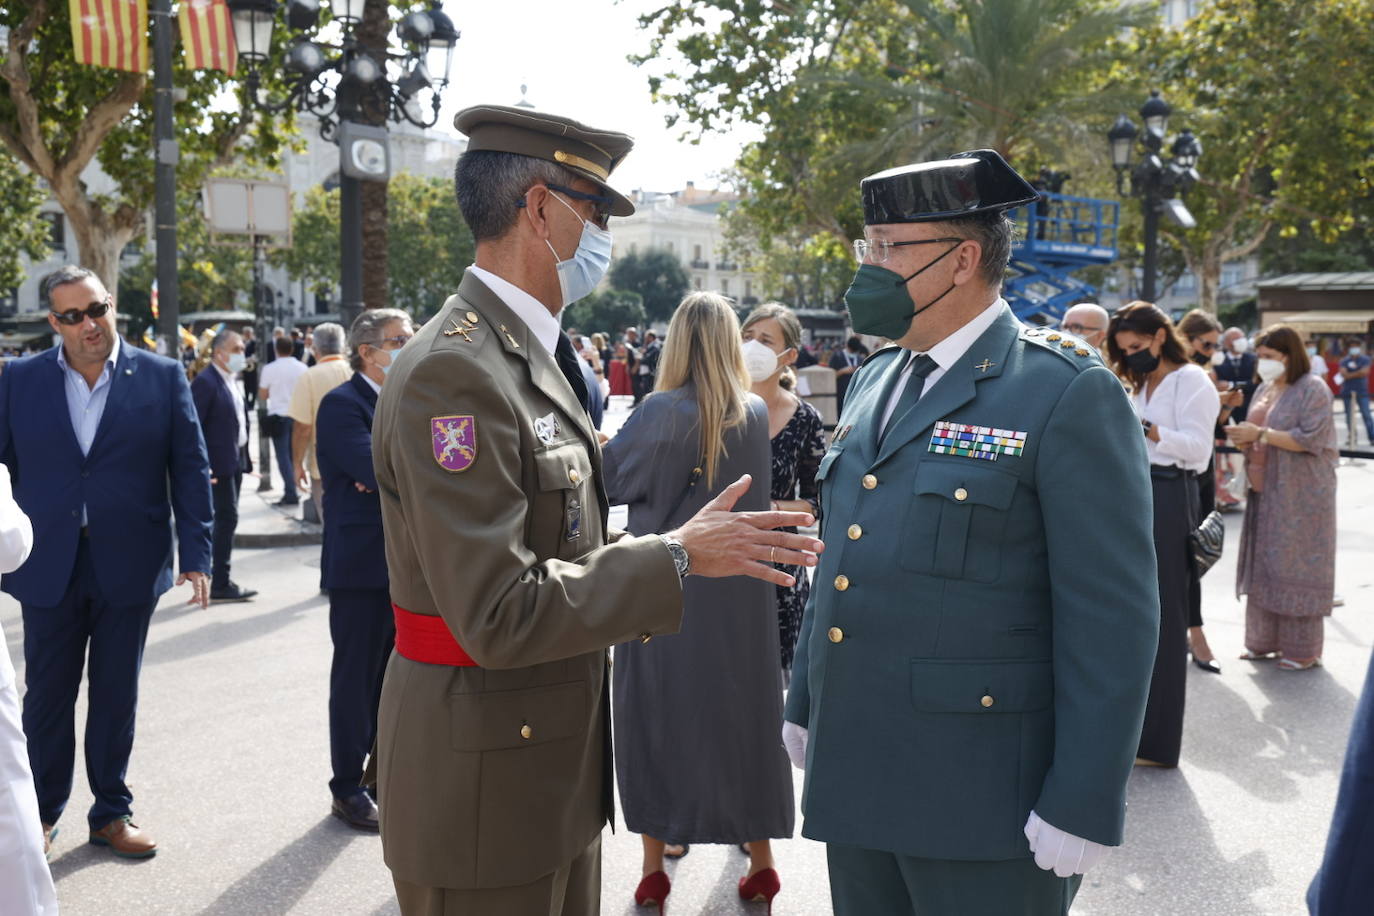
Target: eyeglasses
{"type": "Point", "coordinates": [74, 317]}
{"type": "Point", "coordinates": [1080, 330]}
{"type": "Point", "coordinates": [877, 251]}
{"type": "Point", "coordinates": [399, 341]}
{"type": "Point", "coordinates": [602, 214]}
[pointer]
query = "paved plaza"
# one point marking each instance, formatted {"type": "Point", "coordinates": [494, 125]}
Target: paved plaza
{"type": "Point", "coordinates": [231, 764]}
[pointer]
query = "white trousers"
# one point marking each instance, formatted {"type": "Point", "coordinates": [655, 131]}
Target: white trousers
{"type": "Point", "coordinates": [25, 882]}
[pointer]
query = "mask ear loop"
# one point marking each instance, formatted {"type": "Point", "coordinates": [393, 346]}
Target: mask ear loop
{"type": "Point", "coordinates": [923, 270]}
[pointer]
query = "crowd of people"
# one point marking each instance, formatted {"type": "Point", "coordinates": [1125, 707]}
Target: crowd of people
{"type": "Point", "coordinates": [955, 762]}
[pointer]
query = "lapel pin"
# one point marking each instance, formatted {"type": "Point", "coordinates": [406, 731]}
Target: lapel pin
{"type": "Point", "coordinates": [506, 331]}
{"type": "Point", "coordinates": [459, 329]}
{"type": "Point", "coordinates": [985, 365]}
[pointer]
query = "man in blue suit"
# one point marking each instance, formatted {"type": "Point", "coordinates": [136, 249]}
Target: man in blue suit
{"type": "Point", "coordinates": [354, 563]}
{"type": "Point", "coordinates": [97, 435]}
{"type": "Point", "coordinates": [971, 674]}
{"type": "Point", "coordinates": [224, 421]}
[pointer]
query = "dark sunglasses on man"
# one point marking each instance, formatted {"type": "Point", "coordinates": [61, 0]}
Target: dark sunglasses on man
{"type": "Point", "coordinates": [74, 317]}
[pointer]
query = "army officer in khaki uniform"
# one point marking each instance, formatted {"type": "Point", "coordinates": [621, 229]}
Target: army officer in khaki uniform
{"type": "Point", "coordinates": [971, 674]}
{"type": "Point", "coordinates": [494, 765]}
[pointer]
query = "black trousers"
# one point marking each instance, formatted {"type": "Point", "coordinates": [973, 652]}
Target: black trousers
{"type": "Point", "coordinates": [1175, 511]}
{"type": "Point", "coordinates": [83, 629]}
{"type": "Point", "coordinates": [364, 631]}
{"type": "Point", "coordinates": [226, 500]}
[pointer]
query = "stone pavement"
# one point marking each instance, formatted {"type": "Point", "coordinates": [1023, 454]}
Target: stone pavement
{"type": "Point", "coordinates": [231, 764]}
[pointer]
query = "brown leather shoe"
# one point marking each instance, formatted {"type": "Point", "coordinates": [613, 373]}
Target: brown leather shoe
{"type": "Point", "coordinates": [49, 834]}
{"type": "Point", "coordinates": [124, 839]}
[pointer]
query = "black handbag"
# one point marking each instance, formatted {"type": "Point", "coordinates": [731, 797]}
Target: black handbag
{"type": "Point", "coordinates": [1206, 542]}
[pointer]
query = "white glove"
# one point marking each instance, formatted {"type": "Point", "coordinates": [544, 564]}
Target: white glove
{"type": "Point", "coordinates": [794, 739]}
{"type": "Point", "coordinates": [1057, 851]}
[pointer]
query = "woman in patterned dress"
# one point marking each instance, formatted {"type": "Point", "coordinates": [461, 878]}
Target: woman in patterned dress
{"type": "Point", "coordinates": [772, 340]}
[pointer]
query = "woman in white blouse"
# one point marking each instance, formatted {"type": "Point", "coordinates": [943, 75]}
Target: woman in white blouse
{"type": "Point", "coordinates": [1178, 405]}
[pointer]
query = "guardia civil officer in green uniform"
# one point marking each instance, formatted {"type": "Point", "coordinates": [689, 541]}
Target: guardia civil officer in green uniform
{"type": "Point", "coordinates": [973, 664]}
{"type": "Point", "coordinates": [493, 762]}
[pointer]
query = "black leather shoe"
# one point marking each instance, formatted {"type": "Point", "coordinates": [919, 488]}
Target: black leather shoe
{"type": "Point", "coordinates": [231, 592]}
{"type": "Point", "coordinates": [287, 503]}
{"type": "Point", "coordinates": [357, 811]}
{"type": "Point", "coordinates": [1209, 666]}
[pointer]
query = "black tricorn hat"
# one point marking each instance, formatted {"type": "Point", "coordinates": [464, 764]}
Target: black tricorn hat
{"type": "Point", "coordinates": [978, 181]}
{"type": "Point", "coordinates": [586, 151]}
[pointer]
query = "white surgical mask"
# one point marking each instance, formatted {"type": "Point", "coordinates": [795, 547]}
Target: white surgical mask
{"type": "Point", "coordinates": [236, 363]}
{"type": "Point", "coordinates": [1311, 351]}
{"type": "Point", "coordinates": [1218, 358]}
{"type": "Point", "coordinates": [1356, 351]}
{"type": "Point", "coordinates": [1270, 369]}
{"type": "Point", "coordinates": [1240, 345]}
{"type": "Point", "coordinates": [759, 360]}
{"type": "Point", "coordinates": [579, 274]}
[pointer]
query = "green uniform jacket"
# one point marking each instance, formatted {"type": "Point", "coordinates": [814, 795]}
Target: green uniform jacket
{"type": "Point", "coordinates": [980, 635]}
{"type": "Point", "coordinates": [496, 775]}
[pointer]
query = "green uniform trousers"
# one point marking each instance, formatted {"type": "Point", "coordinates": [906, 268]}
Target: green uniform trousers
{"type": "Point", "coordinates": [870, 882]}
{"type": "Point", "coordinates": [573, 890]}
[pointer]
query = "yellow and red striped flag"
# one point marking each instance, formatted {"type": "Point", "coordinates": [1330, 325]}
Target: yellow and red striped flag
{"type": "Point", "coordinates": [207, 38]}
{"type": "Point", "coordinates": [111, 33]}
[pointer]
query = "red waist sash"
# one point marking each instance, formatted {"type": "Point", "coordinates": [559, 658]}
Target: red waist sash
{"type": "Point", "coordinates": [426, 638]}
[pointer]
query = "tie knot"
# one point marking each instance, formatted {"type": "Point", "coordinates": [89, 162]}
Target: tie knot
{"type": "Point", "coordinates": [922, 365]}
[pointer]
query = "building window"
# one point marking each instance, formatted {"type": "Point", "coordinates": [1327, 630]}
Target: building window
{"type": "Point", "coordinates": [724, 287]}
{"type": "Point", "coordinates": [748, 288]}
{"type": "Point", "coordinates": [697, 281]}
{"type": "Point", "coordinates": [57, 231]}
{"type": "Point", "coordinates": [696, 252]}
{"type": "Point", "coordinates": [9, 301]}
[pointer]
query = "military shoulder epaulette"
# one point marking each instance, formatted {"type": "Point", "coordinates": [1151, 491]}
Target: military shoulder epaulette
{"type": "Point", "coordinates": [1069, 348]}
{"type": "Point", "coordinates": [878, 352]}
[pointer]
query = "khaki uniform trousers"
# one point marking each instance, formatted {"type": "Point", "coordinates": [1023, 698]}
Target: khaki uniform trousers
{"type": "Point", "coordinates": [573, 890]}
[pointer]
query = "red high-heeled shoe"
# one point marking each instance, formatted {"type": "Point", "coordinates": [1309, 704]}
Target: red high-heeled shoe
{"type": "Point", "coordinates": [763, 886]}
{"type": "Point", "coordinates": [653, 890]}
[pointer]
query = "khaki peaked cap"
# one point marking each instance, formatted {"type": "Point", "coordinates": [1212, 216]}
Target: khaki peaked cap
{"type": "Point", "coordinates": [590, 153]}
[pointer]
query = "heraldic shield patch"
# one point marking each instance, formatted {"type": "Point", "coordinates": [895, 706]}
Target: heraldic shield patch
{"type": "Point", "coordinates": [455, 442]}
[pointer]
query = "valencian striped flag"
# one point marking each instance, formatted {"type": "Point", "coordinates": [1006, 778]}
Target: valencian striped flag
{"type": "Point", "coordinates": [111, 33]}
{"type": "Point", "coordinates": [207, 37]}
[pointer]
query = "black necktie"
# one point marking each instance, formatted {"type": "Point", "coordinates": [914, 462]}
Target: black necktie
{"type": "Point", "coordinates": [921, 366]}
{"type": "Point", "coordinates": [572, 369]}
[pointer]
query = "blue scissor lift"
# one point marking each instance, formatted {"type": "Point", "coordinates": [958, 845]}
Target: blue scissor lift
{"type": "Point", "coordinates": [1056, 237]}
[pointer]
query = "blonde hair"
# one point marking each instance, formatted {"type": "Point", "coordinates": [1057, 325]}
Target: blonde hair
{"type": "Point", "coordinates": [791, 333]}
{"type": "Point", "coordinates": [703, 350]}
{"type": "Point", "coordinates": [598, 341]}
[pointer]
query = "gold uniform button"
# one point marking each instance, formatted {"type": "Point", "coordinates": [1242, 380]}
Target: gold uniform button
{"type": "Point", "coordinates": [471, 317]}
{"type": "Point", "coordinates": [870, 482]}
{"type": "Point", "coordinates": [855, 532]}
{"type": "Point", "coordinates": [574, 476]}
{"type": "Point", "coordinates": [987, 701]}
{"type": "Point", "coordinates": [841, 582]}
{"type": "Point", "coordinates": [961, 494]}
{"type": "Point", "coordinates": [836, 634]}
{"type": "Point", "coordinates": [526, 732]}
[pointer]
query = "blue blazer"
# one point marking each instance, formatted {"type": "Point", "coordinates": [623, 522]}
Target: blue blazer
{"type": "Point", "coordinates": [1345, 883]}
{"type": "Point", "coordinates": [148, 447]}
{"type": "Point", "coordinates": [218, 421]}
{"type": "Point", "coordinates": [354, 554]}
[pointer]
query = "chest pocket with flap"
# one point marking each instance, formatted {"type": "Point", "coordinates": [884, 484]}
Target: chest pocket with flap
{"type": "Point", "coordinates": [565, 504]}
{"type": "Point", "coordinates": [957, 519]}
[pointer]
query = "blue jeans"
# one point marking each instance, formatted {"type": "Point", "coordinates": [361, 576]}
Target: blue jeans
{"type": "Point", "coordinates": [1363, 398]}
{"type": "Point", "coordinates": [281, 441]}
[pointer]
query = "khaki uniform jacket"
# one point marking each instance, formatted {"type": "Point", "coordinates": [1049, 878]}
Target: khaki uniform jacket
{"type": "Point", "coordinates": [496, 775]}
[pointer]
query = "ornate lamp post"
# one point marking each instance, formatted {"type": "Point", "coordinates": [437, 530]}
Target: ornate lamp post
{"type": "Point", "coordinates": [354, 91]}
{"type": "Point", "coordinates": [1159, 182]}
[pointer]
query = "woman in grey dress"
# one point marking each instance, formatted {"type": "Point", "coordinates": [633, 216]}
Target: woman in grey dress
{"type": "Point", "coordinates": [697, 715]}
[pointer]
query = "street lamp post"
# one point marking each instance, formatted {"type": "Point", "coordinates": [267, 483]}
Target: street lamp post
{"type": "Point", "coordinates": [346, 85]}
{"type": "Point", "coordinates": [1159, 182]}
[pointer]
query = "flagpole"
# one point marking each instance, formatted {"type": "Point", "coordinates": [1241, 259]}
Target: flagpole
{"type": "Point", "coordinates": [165, 177]}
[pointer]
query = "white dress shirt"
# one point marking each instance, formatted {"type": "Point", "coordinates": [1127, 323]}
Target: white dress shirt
{"type": "Point", "coordinates": [279, 377]}
{"type": "Point", "coordinates": [541, 322]}
{"type": "Point", "coordinates": [237, 394]}
{"type": "Point", "coordinates": [1184, 410]}
{"type": "Point", "coordinates": [945, 353]}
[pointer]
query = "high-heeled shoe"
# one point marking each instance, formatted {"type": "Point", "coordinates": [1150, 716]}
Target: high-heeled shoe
{"type": "Point", "coordinates": [653, 890]}
{"type": "Point", "coordinates": [762, 886]}
{"type": "Point", "coordinates": [1210, 665]}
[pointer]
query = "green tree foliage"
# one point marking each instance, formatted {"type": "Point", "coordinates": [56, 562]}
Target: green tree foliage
{"type": "Point", "coordinates": [658, 278]}
{"type": "Point", "coordinates": [609, 311]}
{"type": "Point", "coordinates": [799, 270]}
{"type": "Point", "coordinates": [1281, 94]}
{"type": "Point", "coordinates": [23, 233]}
{"type": "Point", "coordinates": [58, 116]}
{"type": "Point", "coordinates": [429, 244]}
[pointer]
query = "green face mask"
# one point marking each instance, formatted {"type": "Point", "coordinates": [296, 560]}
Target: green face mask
{"type": "Point", "coordinates": [878, 300]}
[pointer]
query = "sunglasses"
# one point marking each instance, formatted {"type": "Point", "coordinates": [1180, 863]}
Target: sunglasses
{"type": "Point", "coordinates": [74, 317]}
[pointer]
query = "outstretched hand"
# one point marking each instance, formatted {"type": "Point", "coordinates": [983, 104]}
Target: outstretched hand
{"type": "Point", "coordinates": [722, 542]}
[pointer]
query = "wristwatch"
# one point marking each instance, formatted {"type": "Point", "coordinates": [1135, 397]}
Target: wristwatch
{"type": "Point", "coordinates": [680, 558]}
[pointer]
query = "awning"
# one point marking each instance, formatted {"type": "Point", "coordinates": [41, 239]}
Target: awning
{"type": "Point", "coordinates": [1331, 321]}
